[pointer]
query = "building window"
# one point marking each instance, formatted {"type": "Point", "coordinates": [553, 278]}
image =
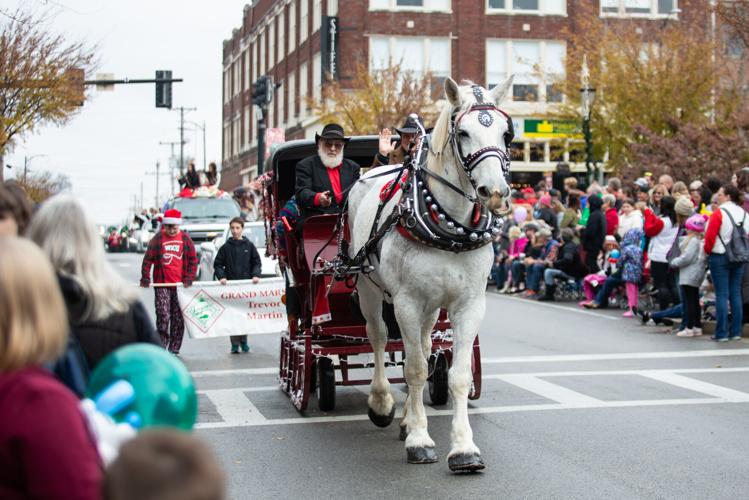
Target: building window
{"type": "Point", "coordinates": [255, 63]}
{"type": "Point", "coordinates": [303, 79]}
{"type": "Point", "coordinates": [291, 97]}
{"type": "Point", "coordinates": [642, 8]}
{"type": "Point", "coordinates": [417, 54]}
{"type": "Point", "coordinates": [272, 44]}
{"type": "Point", "coordinates": [317, 76]}
{"type": "Point", "coordinates": [536, 64]}
{"type": "Point", "coordinates": [332, 7]}
{"type": "Point", "coordinates": [430, 5]}
{"type": "Point", "coordinates": [281, 28]}
{"type": "Point", "coordinates": [303, 20]}
{"type": "Point", "coordinates": [555, 7]}
{"type": "Point", "coordinates": [734, 46]}
{"type": "Point", "coordinates": [262, 53]}
{"type": "Point", "coordinates": [292, 27]}
{"type": "Point", "coordinates": [281, 99]}
{"type": "Point", "coordinates": [246, 71]}
{"type": "Point", "coordinates": [316, 15]}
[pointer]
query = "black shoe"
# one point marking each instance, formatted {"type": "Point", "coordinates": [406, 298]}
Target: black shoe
{"type": "Point", "coordinates": [667, 321]}
{"type": "Point", "coordinates": [548, 295]}
{"type": "Point", "coordinates": [644, 317]}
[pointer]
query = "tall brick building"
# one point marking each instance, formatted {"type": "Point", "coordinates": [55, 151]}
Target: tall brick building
{"type": "Point", "coordinates": [481, 40]}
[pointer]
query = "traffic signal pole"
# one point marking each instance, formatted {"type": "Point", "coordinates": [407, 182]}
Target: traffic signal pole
{"type": "Point", "coordinates": [262, 95]}
{"type": "Point", "coordinates": [261, 126]}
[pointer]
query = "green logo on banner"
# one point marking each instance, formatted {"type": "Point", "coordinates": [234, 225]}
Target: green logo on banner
{"type": "Point", "coordinates": [203, 311]}
{"type": "Point", "coordinates": [551, 129]}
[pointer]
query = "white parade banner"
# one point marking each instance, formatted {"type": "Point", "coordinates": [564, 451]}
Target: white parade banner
{"type": "Point", "coordinates": [240, 307]}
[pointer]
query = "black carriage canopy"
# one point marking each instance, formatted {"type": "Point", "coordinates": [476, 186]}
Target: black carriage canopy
{"type": "Point", "coordinates": [361, 149]}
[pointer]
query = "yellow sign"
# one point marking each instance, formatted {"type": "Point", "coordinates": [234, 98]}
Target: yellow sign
{"type": "Point", "coordinates": [551, 129]}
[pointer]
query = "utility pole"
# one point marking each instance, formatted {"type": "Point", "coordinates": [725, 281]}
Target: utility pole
{"type": "Point", "coordinates": [182, 110]}
{"type": "Point", "coordinates": [158, 174]}
{"type": "Point", "coordinates": [171, 165]}
{"type": "Point", "coordinates": [141, 197]}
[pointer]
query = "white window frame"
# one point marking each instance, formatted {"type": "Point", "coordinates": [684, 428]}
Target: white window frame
{"type": "Point", "coordinates": [316, 15]}
{"type": "Point", "coordinates": [262, 54]}
{"type": "Point", "coordinates": [255, 62]}
{"type": "Point", "coordinates": [542, 79]}
{"type": "Point", "coordinates": [544, 9]}
{"type": "Point", "coordinates": [272, 44]}
{"type": "Point", "coordinates": [292, 28]}
{"type": "Point", "coordinates": [303, 20]}
{"type": "Point", "coordinates": [280, 50]}
{"type": "Point", "coordinates": [303, 89]}
{"type": "Point", "coordinates": [246, 70]}
{"type": "Point", "coordinates": [291, 98]}
{"type": "Point", "coordinates": [426, 40]}
{"type": "Point", "coordinates": [427, 6]}
{"type": "Point", "coordinates": [653, 14]}
{"type": "Point", "coordinates": [281, 105]}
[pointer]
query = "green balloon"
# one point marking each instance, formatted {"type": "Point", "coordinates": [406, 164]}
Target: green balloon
{"type": "Point", "coordinates": [164, 390]}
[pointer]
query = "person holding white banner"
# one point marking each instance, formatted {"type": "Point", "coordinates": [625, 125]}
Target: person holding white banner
{"type": "Point", "coordinates": [237, 259]}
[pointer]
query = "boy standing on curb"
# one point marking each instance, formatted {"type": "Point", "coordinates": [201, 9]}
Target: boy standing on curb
{"type": "Point", "coordinates": [172, 255]}
{"type": "Point", "coordinates": [237, 259]}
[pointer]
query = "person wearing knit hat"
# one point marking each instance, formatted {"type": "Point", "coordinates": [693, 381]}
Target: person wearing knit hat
{"type": "Point", "coordinates": [171, 254]}
{"type": "Point", "coordinates": [545, 213]}
{"type": "Point", "coordinates": [692, 269]}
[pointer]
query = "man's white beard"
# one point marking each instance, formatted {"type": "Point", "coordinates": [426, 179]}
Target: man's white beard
{"type": "Point", "coordinates": [330, 161]}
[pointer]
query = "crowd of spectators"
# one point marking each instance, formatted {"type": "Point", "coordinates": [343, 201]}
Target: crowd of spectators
{"type": "Point", "coordinates": [62, 310]}
{"type": "Point", "coordinates": [664, 250]}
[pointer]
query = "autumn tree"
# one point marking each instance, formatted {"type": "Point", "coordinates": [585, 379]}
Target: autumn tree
{"type": "Point", "coordinates": [376, 100]}
{"type": "Point", "coordinates": [42, 184]}
{"type": "Point", "coordinates": [734, 14]}
{"type": "Point", "coordinates": [649, 76]}
{"type": "Point", "coordinates": [41, 76]}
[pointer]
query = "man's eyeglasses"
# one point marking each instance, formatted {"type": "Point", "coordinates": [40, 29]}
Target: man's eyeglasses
{"type": "Point", "coordinates": [333, 144]}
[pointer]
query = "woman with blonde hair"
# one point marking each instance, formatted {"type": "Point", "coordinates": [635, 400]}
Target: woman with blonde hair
{"type": "Point", "coordinates": [656, 195]}
{"type": "Point", "coordinates": [104, 311]}
{"type": "Point", "coordinates": [680, 189]}
{"type": "Point", "coordinates": [46, 450]}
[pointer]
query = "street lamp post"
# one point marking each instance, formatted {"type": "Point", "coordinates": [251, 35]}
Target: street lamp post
{"type": "Point", "coordinates": [587, 96]}
{"type": "Point", "coordinates": [26, 161]}
{"type": "Point", "coordinates": [201, 127]}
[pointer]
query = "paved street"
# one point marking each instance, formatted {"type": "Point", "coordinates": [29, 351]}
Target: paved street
{"type": "Point", "coordinates": [575, 404]}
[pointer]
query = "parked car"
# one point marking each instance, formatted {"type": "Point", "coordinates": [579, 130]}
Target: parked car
{"type": "Point", "coordinates": [253, 231]}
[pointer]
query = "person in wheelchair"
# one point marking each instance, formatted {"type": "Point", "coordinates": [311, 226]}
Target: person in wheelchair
{"type": "Point", "coordinates": [323, 179]}
{"type": "Point", "coordinates": [568, 265]}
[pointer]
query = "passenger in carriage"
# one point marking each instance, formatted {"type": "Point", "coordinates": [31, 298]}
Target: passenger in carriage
{"type": "Point", "coordinates": [323, 180]}
{"type": "Point", "coordinates": [394, 153]}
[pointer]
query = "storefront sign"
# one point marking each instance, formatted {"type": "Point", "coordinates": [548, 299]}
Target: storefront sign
{"type": "Point", "coordinates": [329, 34]}
{"type": "Point", "coordinates": [551, 129]}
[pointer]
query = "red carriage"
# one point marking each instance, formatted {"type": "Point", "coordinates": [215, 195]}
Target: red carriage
{"type": "Point", "coordinates": [326, 332]}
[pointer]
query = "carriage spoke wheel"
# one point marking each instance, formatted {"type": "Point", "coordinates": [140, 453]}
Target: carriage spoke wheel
{"type": "Point", "coordinates": [325, 384]}
{"type": "Point", "coordinates": [438, 379]}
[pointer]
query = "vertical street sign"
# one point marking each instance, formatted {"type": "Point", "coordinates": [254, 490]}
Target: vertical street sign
{"type": "Point", "coordinates": [329, 49]}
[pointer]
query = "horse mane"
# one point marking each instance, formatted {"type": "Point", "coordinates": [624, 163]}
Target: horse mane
{"type": "Point", "coordinates": [442, 126]}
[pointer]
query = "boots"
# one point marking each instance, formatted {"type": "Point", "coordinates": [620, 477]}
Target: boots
{"type": "Point", "coordinates": [548, 295]}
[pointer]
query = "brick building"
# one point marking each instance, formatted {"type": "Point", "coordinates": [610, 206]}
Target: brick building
{"type": "Point", "coordinates": [481, 40]}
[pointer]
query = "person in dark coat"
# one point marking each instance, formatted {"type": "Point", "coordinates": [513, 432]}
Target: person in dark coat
{"type": "Point", "coordinates": [394, 153]}
{"type": "Point", "coordinates": [322, 180]}
{"type": "Point", "coordinates": [594, 234]}
{"type": "Point", "coordinates": [568, 265]}
{"type": "Point", "coordinates": [104, 312]}
{"type": "Point", "coordinates": [191, 179]}
{"type": "Point", "coordinates": [237, 259]}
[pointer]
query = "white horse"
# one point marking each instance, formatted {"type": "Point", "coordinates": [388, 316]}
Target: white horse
{"type": "Point", "coordinates": [419, 280]}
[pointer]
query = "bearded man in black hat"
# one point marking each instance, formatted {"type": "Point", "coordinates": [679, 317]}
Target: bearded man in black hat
{"type": "Point", "coordinates": [394, 153]}
{"type": "Point", "coordinates": [322, 180]}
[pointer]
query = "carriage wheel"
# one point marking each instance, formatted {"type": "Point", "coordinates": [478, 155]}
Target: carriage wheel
{"type": "Point", "coordinates": [325, 384]}
{"type": "Point", "coordinates": [438, 381]}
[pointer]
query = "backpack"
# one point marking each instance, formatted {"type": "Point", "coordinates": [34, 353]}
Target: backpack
{"type": "Point", "coordinates": [737, 249]}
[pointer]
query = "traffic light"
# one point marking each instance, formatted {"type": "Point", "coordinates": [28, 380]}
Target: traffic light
{"type": "Point", "coordinates": [163, 89]}
{"type": "Point", "coordinates": [261, 93]}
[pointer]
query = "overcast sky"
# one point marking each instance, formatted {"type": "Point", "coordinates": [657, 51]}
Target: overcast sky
{"type": "Point", "coordinates": [108, 148]}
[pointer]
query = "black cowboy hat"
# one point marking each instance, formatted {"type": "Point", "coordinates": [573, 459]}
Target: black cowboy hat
{"type": "Point", "coordinates": [332, 131]}
{"type": "Point", "coordinates": [410, 126]}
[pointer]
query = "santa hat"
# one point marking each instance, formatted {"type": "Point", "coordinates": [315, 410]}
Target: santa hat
{"type": "Point", "coordinates": [172, 217]}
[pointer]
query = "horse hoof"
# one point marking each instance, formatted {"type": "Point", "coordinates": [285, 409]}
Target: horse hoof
{"type": "Point", "coordinates": [403, 433]}
{"type": "Point", "coordinates": [425, 455]}
{"type": "Point", "coordinates": [381, 420]}
{"type": "Point", "coordinates": [466, 462]}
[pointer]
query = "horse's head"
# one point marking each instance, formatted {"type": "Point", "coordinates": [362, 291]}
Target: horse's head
{"type": "Point", "coordinates": [479, 134]}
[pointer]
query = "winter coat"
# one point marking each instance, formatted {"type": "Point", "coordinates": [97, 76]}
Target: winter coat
{"type": "Point", "coordinates": [547, 215]}
{"type": "Point", "coordinates": [153, 258]}
{"type": "Point", "coordinates": [99, 337]}
{"type": "Point", "coordinates": [237, 260]}
{"type": "Point", "coordinates": [595, 230]}
{"type": "Point", "coordinates": [662, 233]}
{"type": "Point", "coordinates": [691, 262]}
{"type": "Point", "coordinates": [631, 259]}
{"type": "Point", "coordinates": [568, 260]}
{"type": "Point", "coordinates": [612, 221]}
{"type": "Point", "coordinates": [395, 157]}
{"type": "Point", "coordinates": [312, 178]}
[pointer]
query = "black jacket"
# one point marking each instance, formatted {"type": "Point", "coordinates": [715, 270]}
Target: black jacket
{"type": "Point", "coordinates": [549, 217]}
{"type": "Point", "coordinates": [569, 262]}
{"type": "Point", "coordinates": [312, 178]}
{"type": "Point", "coordinates": [98, 338]}
{"type": "Point", "coordinates": [594, 233]}
{"type": "Point", "coordinates": [237, 260]}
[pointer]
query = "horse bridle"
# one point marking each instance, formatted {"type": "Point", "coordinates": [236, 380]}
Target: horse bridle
{"type": "Point", "coordinates": [471, 161]}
